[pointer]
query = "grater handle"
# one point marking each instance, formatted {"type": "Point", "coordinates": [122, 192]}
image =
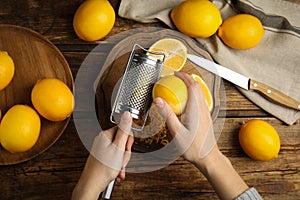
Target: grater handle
{"type": "Point", "coordinates": [106, 194]}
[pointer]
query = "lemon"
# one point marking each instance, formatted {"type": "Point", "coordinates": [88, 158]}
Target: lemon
{"type": "Point", "coordinates": [242, 31]}
{"type": "Point", "coordinates": [94, 19]}
{"type": "Point", "coordinates": [197, 18]}
{"type": "Point", "coordinates": [19, 129]}
{"type": "Point", "coordinates": [175, 52]}
{"type": "Point", "coordinates": [52, 99]}
{"type": "Point", "coordinates": [208, 97]}
{"type": "Point", "coordinates": [173, 90]}
{"type": "Point", "coordinates": [259, 140]}
{"type": "Point", "coordinates": [7, 69]}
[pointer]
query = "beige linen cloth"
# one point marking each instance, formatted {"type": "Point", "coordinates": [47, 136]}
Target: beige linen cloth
{"type": "Point", "coordinates": [275, 61]}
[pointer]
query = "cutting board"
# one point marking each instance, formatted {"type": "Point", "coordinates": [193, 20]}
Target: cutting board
{"type": "Point", "coordinates": [114, 68]}
{"type": "Point", "coordinates": [35, 58]}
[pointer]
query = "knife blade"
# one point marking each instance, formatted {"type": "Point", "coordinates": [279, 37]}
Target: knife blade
{"type": "Point", "coordinates": [245, 82]}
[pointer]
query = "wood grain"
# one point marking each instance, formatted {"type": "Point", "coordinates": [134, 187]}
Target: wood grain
{"type": "Point", "coordinates": [53, 174]}
{"type": "Point", "coordinates": [34, 58]}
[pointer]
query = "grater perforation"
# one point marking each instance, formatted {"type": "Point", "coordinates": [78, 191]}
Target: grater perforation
{"type": "Point", "coordinates": [135, 91]}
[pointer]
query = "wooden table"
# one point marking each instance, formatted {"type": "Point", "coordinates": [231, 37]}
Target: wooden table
{"type": "Point", "coordinates": [53, 174]}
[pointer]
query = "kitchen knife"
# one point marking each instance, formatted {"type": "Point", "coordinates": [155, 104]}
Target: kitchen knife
{"type": "Point", "coordinates": [245, 82]}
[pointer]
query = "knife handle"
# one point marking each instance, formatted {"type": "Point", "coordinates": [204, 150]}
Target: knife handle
{"type": "Point", "coordinates": [274, 94]}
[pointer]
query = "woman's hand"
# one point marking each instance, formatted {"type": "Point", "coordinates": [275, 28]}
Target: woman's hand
{"type": "Point", "coordinates": [196, 130]}
{"type": "Point", "coordinates": [194, 133]}
{"type": "Point", "coordinates": [109, 156]}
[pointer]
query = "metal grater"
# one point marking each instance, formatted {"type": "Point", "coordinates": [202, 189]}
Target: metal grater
{"type": "Point", "coordinates": [135, 91]}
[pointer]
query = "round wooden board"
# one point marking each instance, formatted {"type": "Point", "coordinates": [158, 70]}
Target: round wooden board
{"type": "Point", "coordinates": [35, 58]}
{"type": "Point", "coordinates": [114, 68]}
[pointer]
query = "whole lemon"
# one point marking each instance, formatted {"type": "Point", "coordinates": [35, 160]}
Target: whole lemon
{"type": "Point", "coordinates": [173, 90]}
{"type": "Point", "coordinates": [52, 99]}
{"type": "Point", "coordinates": [7, 69]}
{"type": "Point", "coordinates": [259, 140]}
{"type": "Point", "coordinates": [19, 129]}
{"type": "Point", "coordinates": [94, 19]}
{"type": "Point", "coordinates": [242, 31]}
{"type": "Point", "coordinates": [197, 18]}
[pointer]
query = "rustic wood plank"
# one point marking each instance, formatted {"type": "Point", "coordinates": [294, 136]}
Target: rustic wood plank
{"type": "Point", "coordinates": [182, 179]}
{"type": "Point", "coordinates": [58, 169]}
{"type": "Point", "coordinates": [56, 24]}
{"type": "Point", "coordinates": [54, 174]}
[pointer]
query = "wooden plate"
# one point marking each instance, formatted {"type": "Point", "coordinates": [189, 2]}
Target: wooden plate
{"type": "Point", "coordinates": [114, 68]}
{"type": "Point", "coordinates": [35, 58]}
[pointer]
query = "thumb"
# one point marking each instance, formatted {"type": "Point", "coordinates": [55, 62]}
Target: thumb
{"type": "Point", "coordinates": [124, 130]}
{"type": "Point", "coordinates": [168, 115]}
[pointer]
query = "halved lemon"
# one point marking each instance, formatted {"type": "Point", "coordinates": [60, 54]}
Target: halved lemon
{"type": "Point", "coordinates": [175, 52]}
{"type": "Point", "coordinates": [206, 91]}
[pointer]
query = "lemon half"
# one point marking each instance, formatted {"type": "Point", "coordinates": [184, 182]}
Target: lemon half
{"type": "Point", "coordinates": [175, 52]}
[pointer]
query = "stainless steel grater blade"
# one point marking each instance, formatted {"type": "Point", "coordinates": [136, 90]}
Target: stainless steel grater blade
{"type": "Point", "coordinates": [135, 91]}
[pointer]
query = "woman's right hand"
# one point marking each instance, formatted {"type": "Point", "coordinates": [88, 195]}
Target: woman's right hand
{"type": "Point", "coordinates": [195, 127]}
{"type": "Point", "coordinates": [196, 130]}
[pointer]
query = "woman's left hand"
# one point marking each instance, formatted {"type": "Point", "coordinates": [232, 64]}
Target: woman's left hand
{"type": "Point", "coordinates": [109, 156]}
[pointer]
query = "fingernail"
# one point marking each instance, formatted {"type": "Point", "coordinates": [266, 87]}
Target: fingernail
{"type": "Point", "coordinates": [159, 102]}
{"type": "Point", "coordinates": [126, 117]}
